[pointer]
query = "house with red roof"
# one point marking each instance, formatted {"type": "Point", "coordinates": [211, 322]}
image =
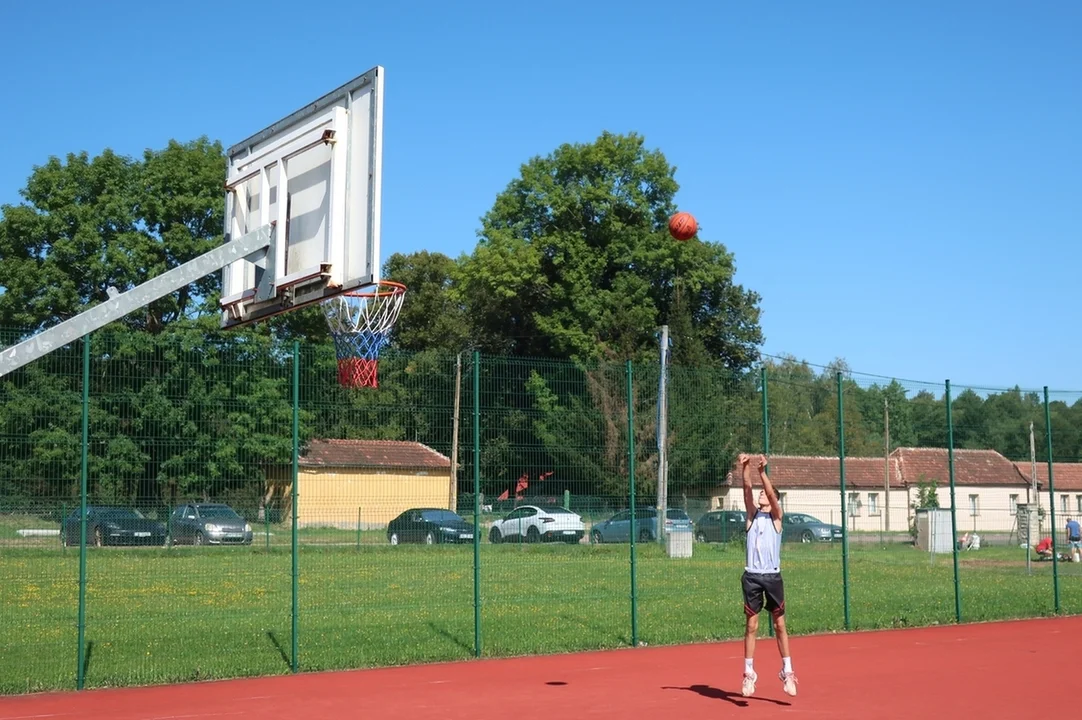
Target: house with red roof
{"type": "Point", "coordinates": [882, 492]}
{"type": "Point", "coordinates": [1066, 487]}
{"type": "Point", "coordinates": [346, 483]}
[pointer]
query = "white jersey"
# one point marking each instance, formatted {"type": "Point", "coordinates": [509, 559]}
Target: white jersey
{"type": "Point", "coordinates": [764, 545]}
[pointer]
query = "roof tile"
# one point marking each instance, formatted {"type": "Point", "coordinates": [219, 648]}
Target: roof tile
{"type": "Point", "coordinates": [373, 454]}
{"type": "Point", "coordinates": [1065, 476]}
{"type": "Point", "coordinates": [908, 467]}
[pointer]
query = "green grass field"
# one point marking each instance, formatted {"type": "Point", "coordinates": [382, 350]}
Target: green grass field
{"type": "Point", "coordinates": [157, 615]}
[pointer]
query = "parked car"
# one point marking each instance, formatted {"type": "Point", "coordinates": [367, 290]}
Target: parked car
{"type": "Point", "coordinates": [109, 525]}
{"type": "Point", "coordinates": [538, 523]}
{"type": "Point", "coordinates": [208, 523]}
{"type": "Point", "coordinates": [430, 526]}
{"type": "Point", "coordinates": [798, 527]}
{"type": "Point", "coordinates": [721, 526]}
{"type": "Point", "coordinates": [618, 527]}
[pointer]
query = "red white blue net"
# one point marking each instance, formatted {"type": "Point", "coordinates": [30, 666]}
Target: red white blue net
{"type": "Point", "coordinates": [361, 324]}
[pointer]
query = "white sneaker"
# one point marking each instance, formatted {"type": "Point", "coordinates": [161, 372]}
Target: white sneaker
{"type": "Point", "coordinates": [788, 682]}
{"type": "Point", "coordinates": [747, 689]}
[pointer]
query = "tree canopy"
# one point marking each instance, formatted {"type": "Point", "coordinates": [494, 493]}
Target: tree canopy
{"type": "Point", "coordinates": [572, 274]}
{"type": "Point", "coordinates": [89, 224]}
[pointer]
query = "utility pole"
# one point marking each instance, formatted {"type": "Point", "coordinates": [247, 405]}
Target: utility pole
{"type": "Point", "coordinates": [886, 469]}
{"type": "Point", "coordinates": [1032, 490]}
{"type": "Point", "coordinates": [1034, 498]}
{"type": "Point", "coordinates": [452, 492]}
{"type": "Point", "coordinates": [663, 437]}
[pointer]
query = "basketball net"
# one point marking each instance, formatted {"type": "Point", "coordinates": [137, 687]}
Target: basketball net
{"type": "Point", "coordinates": [361, 323]}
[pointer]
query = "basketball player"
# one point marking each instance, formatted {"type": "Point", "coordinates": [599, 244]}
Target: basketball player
{"type": "Point", "coordinates": [761, 580]}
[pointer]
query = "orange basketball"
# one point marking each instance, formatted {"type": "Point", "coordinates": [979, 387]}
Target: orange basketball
{"type": "Point", "coordinates": [683, 226]}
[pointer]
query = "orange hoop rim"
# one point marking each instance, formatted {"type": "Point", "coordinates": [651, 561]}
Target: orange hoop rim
{"type": "Point", "coordinates": [396, 289]}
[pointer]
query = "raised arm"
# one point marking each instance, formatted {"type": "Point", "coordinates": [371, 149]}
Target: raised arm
{"type": "Point", "coordinates": [768, 488]}
{"type": "Point", "coordinates": [749, 497]}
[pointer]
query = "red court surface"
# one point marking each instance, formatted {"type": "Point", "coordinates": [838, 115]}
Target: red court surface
{"type": "Point", "coordinates": [983, 670]}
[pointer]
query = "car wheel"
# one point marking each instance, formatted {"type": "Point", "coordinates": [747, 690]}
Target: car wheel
{"type": "Point", "coordinates": [98, 539]}
{"type": "Point", "coordinates": [700, 537]}
{"type": "Point", "coordinates": [644, 536]}
{"type": "Point", "coordinates": [430, 539]}
{"type": "Point", "coordinates": [532, 535]}
{"type": "Point", "coordinates": [595, 537]}
{"type": "Point", "coordinates": [393, 538]}
{"type": "Point", "coordinates": [199, 539]}
{"type": "Point", "coordinates": [806, 536]}
{"type": "Point", "coordinates": [494, 537]}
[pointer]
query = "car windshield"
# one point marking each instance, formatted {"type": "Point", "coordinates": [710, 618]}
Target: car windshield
{"type": "Point", "coordinates": [555, 510]}
{"type": "Point", "coordinates": [218, 512]}
{"type": "Point", "coordinates": [440, 516]}
{"type": "Point", "coordinates": [121, 513]}
{"type": "Point", "coordinates": [676, 515]}
{"type": "Point", "coordinates": [808, 519]}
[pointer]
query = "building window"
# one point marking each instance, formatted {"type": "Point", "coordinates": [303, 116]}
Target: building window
{"type": "Point", "coordinates": [1063, 503]}
{"type": "Point", "coordinates": [873, 503]}
{"type": "Point", "coordinates": [1079, 499]}
{"type": "Point", "coordinates": [782, 497]}
{"type": "Point", "coordinates": [854, 504]}
{"type": "Point", "coordinates": [974, 505]}
{"type": "Point", "coordinates": [1014, 504]}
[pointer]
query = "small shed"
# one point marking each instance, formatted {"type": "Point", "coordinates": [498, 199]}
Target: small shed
{"type": "Point", "coordinates": [367, 483]}
{"type": "Point", "coordinates": [934, 533]}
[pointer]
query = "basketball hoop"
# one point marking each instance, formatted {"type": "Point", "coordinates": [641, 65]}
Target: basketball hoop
{"type": "Point", "coordinates": [360, 323]}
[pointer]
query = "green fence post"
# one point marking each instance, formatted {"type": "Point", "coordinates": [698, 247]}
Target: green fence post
{"type": "Point", "coordinates": [80, 673]}
{"type": "Point", "coordinates": [631, 500]}
{"type": "Point", "coordinates": [954, 507]}
{"type": "Point", "coordinates": [476, 503]}
{"type": "Point", "coordinates": [1051, 499]}
{"type": "Point", "coordinates": [358, 528]}
{"type": "Point", "coordinates": [766, 447]}
{"type": "Point", "coordinates": [766, 412]}
{"type": "Point", "coordinates": [295, 664]}
{"type": "Point", "coordinates": [845, 514]}
{"type": "Point", "coordinates": [266, 528]}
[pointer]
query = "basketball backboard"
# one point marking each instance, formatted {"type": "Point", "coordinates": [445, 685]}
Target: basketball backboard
{"type": "Point", "coordinates": [312, 180]}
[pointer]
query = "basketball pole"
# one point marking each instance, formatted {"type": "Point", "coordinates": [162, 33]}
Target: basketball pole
{"type": "Point", "coordinates": [120, 304]}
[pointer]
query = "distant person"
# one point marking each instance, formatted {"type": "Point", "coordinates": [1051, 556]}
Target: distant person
{"type": "Point", "coordinates": [1044, 548]}
{"type": "Point", "coordinates": [1074, 538]}
{"type": "Point", "coordinates": [761, 581]}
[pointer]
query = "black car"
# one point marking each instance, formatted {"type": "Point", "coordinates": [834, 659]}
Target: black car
{"type": "Point", "coordinates": [430, 526]}
{"type": "Point", "coordinates": [721, 526]}
{"type": "Point", "coordinates": [109, 525]}
{"type": "Point", "coordinates": [208, 524]}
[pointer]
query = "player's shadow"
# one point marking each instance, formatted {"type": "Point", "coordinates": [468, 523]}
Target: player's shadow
{"type": "Point", "coordinates": [719, 694]}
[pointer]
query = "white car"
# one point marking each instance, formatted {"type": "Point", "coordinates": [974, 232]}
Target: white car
{"type": "Point", "coordinates": [538, 523]}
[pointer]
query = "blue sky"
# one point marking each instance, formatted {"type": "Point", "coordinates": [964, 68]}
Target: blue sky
{"type": "Point", "coordinates": [900, 181]}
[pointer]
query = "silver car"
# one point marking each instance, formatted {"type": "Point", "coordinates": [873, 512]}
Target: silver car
{"type": "Point", "coordinates": [208, 524]}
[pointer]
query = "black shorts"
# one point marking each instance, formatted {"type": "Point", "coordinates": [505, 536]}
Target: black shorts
{"type": "Point", "coordinates": [768, 587]}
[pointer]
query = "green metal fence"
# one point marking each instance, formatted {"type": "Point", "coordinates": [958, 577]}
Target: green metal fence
{"type": "Point", "coordinates": [195, 505]}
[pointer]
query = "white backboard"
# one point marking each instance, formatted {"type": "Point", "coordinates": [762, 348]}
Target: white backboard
{"type": "Point", "coordinates": [328, 158]}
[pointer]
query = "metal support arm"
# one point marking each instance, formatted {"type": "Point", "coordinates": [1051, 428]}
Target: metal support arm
{"type": "Point", "coordinates": [117, 306]}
